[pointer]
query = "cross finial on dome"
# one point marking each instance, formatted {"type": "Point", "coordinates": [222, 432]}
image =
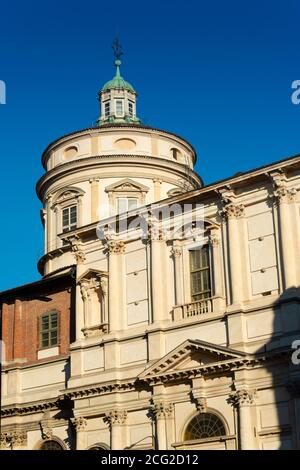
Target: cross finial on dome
{"type": "Point", "coordinates": [117, 48]}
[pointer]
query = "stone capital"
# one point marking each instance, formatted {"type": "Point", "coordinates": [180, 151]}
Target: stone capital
{"type": "Point", "coordinates": [233, 211]}
{"type": "Point", "coordinates": [162, 409]}
{"type": "Point", "coordinates": [284, 195]}
{"type": "Point", "coordinates": [242, 397]}
{"type": "Point", "coordinates": [214, 240]}
{"type": "Point", "coordinates": [116, 247]}
{"type": "Point", "coordinates": [79, 423]}
{"type": "Point", "coordinates": [116, 416]}
{"type": "Point", "coordinates": [176, 252]}
{"type": "Point", "coordinates": [16, 438]}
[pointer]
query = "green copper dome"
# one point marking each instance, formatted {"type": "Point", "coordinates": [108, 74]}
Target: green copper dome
{"type": "Point", "coordinates": [118, 82]}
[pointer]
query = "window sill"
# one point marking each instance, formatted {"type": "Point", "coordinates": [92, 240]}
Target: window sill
{"type": "Point", "coordinates": [48, 352]}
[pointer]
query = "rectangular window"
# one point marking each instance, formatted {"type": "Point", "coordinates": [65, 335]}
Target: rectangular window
{"type": "Point", "coordinates": [130, 108]}
{"type": "Point", "coordinates": [49, 330]}
{"type": "Point", "coordinates": [69, 218]}
{"type": "Point", "coordinates": [126, 204]}
{"type": "Point", "coordinates": [119, 108]}
{"type": "Point", "coordinates": [200, 273]}
{"type": "Point", "coordinates": [107, 109]}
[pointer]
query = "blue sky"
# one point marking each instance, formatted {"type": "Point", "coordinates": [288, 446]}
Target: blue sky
{"type": "Point", "coordinates": [217, 73]}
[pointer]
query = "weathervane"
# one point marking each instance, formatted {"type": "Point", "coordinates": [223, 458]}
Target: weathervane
{"type": "Point", "coordinates": [117, 48]}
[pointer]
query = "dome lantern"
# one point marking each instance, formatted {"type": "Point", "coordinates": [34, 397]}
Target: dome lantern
{"type": "Point", "coordinates": [117, 97]}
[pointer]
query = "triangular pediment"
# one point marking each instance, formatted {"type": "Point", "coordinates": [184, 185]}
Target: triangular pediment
{"type": "Point", "coordinates": [191, 355]}
{"type": "Point", "coordinates": [127, 184]}
{"type": "Point", "coordinates": [91, 273]}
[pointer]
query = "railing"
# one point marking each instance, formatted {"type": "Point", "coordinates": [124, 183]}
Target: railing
{"type": "Point", "coordinates": [197, 308]}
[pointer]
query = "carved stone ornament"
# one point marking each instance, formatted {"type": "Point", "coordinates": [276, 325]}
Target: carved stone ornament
{"type": "Point", "coordinates": [76, 248]}
{"type": "Point", "coordinates": [233, 211]}
{"type": "Point", "coordinates": [176, 252]}
{"type": "Point", "coordinates": [201, 404]}
{"type": "Point", "coordinates": [284, 195]}
{"type": "Point", "coordinates": [116, 247]}
{"type": "Point", "coordinates": [214, 240]}
{"type": "Point", "coordinates": [242, 397]}
{"type": "Point", "coordinates": [12, 439]}
{"type": "Point", "coordinates": [162, 409]}
{"type": "Point", "coordinates": [116, 416]}
{"type": "Point", "coordinates": [79, 423]}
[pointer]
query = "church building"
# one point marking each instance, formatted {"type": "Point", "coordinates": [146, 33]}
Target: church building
{"type": "Point", "coordinates": [168, 311]}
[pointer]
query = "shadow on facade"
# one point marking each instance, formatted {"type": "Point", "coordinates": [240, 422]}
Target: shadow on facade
{"type": "Point", "coordinates": [283, 364]}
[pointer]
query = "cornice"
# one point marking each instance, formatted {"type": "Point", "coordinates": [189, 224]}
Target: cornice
{"type": "Point", "coordinates": [29, 408]}
{"type": "Point", "coordinates": [141, 160]}
{"type": "Point", "coordinates": [146, 382]}
{"type": "Point", "coordinates": [114, 127]}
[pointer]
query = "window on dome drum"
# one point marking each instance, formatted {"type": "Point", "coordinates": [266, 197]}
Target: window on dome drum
{"type": "Point", "coordinates": [107, 108]}
{"type": "Point", "coordinates": [130, 108]}
{"type": "Point", "coordinates": [51, 445]}
{"type": "Point", "coordinates": [119, 108]}
{"type": "Point", "coordinates": [204, 425]}
{"type": "Point", "coordinates": [200, 273]}
{"type": "Point", "coordinates": [175, 153]}
{"type": "Point", "coordinates": [49, 330]}
{"type": "Point", "coordinates": [126, 204]}
{"type": "Point", "coordinates": [69, 218]}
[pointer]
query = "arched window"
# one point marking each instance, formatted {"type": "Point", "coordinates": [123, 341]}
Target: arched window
{"type": "Point", "coordinates": [102, 447]}
{"type": "Point", "coordinates": [51, 445]}
{"type": "Point", "coordinates": [175, 153]}
{"type": "Point", "coordinates": [204, 425]}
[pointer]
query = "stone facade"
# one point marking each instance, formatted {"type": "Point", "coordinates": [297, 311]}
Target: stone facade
{"type": "Point", "coordinates": [141, 363]}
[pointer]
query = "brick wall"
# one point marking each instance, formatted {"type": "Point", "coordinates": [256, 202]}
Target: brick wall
{"type": "Point", "coordinates": [20, 319]}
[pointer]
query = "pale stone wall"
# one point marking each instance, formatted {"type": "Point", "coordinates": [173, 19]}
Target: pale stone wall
{"type": "Point", "coordinates": [135, 367]}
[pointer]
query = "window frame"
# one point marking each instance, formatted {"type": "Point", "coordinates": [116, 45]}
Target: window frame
{"type": "Point", "coordinates": [107, 107]}
{"type": "Point", "coordinates": [208, 268]}
{"type": "Point", "coordinates": [118, 101]}
{"type": "Point", "coordinates": [69, 226]}
{"type": "Point", "coordinates": [131, 108]}
{"type": "Point", "coordinates": [127, 199]}
{"type": "Point", "coordinates": [49, 330]}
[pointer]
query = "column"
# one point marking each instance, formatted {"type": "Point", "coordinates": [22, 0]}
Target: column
{"type": "Point", "coordinates": [232, 213]}
{"type": "Point", "coordinates": [243, 401]}
{"type": "Point", "coordinates": [80, 425]}
{"type": "Point", "coordinates": [176, 253]}
{"type": "Point", "coordinates": [116, 419]}
{"type": "Point", "coordinates": [156, 278]}
{"type": "Point", "coordinates": [217, 263]}
{"type": "Point", "coordinates": [94, 182]}
{"type": "Point", "coordinates": [157, 189]}
{"type": "Point", "coordinates": [116, 305]}
{"type": "Point", "coordinates": [48, 227]}
{"type": "Point", "coordinates": [162, 412]}
{"type": "Point", "coordinates": [285, 197]}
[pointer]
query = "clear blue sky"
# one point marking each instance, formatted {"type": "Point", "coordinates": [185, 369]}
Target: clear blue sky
{"type": "Point", "coordinates": [218, 73]}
